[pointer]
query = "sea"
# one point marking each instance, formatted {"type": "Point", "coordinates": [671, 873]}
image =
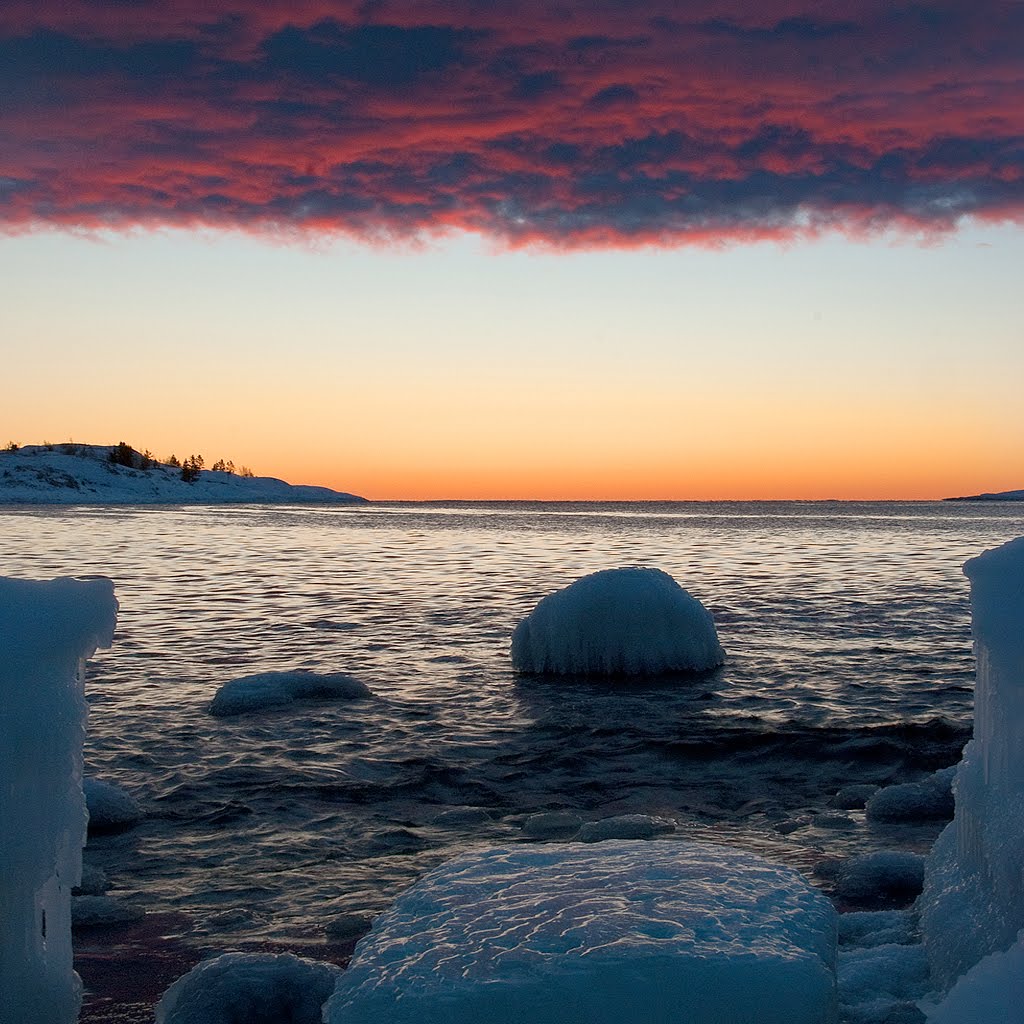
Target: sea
{"type": "Point", "coordinates": [849, 661]}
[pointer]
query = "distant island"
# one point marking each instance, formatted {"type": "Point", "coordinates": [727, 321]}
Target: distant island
{"type": "Point", "coordinates": [96, 474]}
{"type": "Point", "coordinates": [997, 496]}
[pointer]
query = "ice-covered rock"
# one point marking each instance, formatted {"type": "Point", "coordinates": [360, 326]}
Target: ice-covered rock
{"type": "Point", "coordinates": [865, 928]}
{"type": "Point", "coordinates": [624, 826]}
{"type": "Point", "coordinates": [275, 689]}
{"type": "Point", "coordinates": [618, 622]}
{"type": "Point", "coordinates": [552, 824]}
{"type": "Point", "coordinates": [249, 988]}
{"type": "Point", "coordinates": [880, 983]}
{"type": "Point", "coordinates": [94, 882]}
{"type": "Point", "coordinates": [851, 798]}
{"type": "Point", "coordinates": [973, 899]}
{"type": "Point", "coordinates": [914, 801]}
{"type": "Point", "coordinates": [880, 877]}
{"type": "Point", "coordinates": [110, 807]}
{"type": "Point", "coordinates": [991, 992]}
{"type": "Point", "coordinates": [618, 933]}
{"type": "Point", "coordinates": [100, 911]}
{"type": "Point", "coordinates": [47, 630]}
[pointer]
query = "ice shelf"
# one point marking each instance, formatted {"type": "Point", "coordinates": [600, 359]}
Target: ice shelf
{"type": "Point", "coordinates": [973, 899]}
{"type": "Point", "coordinates": [47, 630]}
{"type": "Point", "coordinates": [625, 932]}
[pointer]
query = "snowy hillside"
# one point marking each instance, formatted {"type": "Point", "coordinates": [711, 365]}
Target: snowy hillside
{"type": "Point", "coordinates": [73, 474]}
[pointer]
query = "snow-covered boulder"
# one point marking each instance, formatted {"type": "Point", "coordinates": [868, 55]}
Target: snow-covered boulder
{"type": "Point", "coordinates": [111, 808]}
{"type": "Point", "coordinates": [47, 630]}
{"type": "Point", "coordinates": [914, 801]}
{"type": "Point", "coordinates": [881, 877]}
{"type": "Point", "coordinates": [275, 689]}
{"type": "Point", "coordinates": [249, 988]}
{"type": "Point", "coordinates": [618, 622]}
{"type": "Point", "coordinates": [973, 899]}
{"type": "Point", "coordinates": [617, 933]}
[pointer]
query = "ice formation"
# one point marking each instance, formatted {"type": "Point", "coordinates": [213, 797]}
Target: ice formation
{"type": "Point", "coordinates": [619, 933]}
{"type": "Point", "coordinates": [110, 807]}
{"type": "Point", "coordinates": [991, 992]}
{"type": "Point", "coordinates": [624, 826]}
{"type": "Point", "coordinates": [47, 629]}
{"type": "Point", "coordinates": [274, 689]}
{"type": "Point", "coordinates": [249, 988]}
{"type": "Point", "coordinates": [973, 900]}
{"type": "Point", "coordinates": [632, 621]}
{"type": "Point", "coordinates": [914, 801]}
{"type": "Point", "coordinates": [880, 876]}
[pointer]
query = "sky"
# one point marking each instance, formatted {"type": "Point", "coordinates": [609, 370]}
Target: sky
{"type": "Point", "coordinates": [520, 250]}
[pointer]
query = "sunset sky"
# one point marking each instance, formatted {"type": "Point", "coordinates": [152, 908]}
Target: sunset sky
{"type": "Point", "coordinates": [599, 250]}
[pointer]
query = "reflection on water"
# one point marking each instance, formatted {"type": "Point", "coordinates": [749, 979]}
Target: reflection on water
{"type": "Point", "coordinates": [846, 627]}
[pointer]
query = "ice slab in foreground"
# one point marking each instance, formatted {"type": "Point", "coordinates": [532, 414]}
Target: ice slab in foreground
{"type": "Point", "coordinates": [47, 629]}
{"type": "Point", "coordinates": [631, 621]}
{"type": "Point", "coordinates": [626, 932]}
{"type": "Point", "coordinates": [973, 899]}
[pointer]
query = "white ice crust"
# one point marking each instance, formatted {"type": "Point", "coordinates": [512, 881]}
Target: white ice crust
{"type": "Point", "coordinates": [973, 900]}
{"type": "Point", "coordinates": [47, 629]}
{"type": "Point", "coordinates": [249, 988]}
{"type": "Point", "coordinates": [625, 932]}
{"type": "Point", "coordinates": [275, 689]}
{"type": "Point", "coordinates": [632, 621]}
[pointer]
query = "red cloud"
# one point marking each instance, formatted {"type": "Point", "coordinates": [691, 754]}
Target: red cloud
{"type": "Point", "coordinates": [606, 125]}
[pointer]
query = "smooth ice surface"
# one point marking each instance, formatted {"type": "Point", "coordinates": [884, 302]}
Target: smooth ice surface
{"type": "Point", "coordinates": [249, 988]}
{"type": "Point", "coordinates": [973, 900]}
{"type": "Point", "coordinates": [110, 807]}
{"type": "Point", "coordinates": [274, 689]}
{"type": "Point", "coordinates": [619, 933]}
{"type": "Point", "coordinates": [633, 621]}
{"type": "Point", "coordinates": [47, 629]}
{"type": "Point", "coordinates": [991, 992]}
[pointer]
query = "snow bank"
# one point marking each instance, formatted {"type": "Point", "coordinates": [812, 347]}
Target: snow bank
{"type": "Point", "coordinates": [618, 933]}
{"type": "Point", "coordinates": [274, 689]}
{"type": "Point", "coordinates": [249, 988]}
{"type": "Point", "coordinates": [46, 632]}
{"type": "Point", "coordinates": [631, 621]}
{"type": "Point", "coordinates": [973, 900]}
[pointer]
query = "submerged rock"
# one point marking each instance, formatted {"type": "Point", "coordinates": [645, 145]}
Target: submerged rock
{"type": "Point", "coordinates": [618, 622]}
{"type": "Point", "coordinates": [275, 689]}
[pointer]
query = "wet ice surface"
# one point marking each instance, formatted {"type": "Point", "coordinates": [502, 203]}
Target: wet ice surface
{"type": "Point", "coordinates": [849, 663]}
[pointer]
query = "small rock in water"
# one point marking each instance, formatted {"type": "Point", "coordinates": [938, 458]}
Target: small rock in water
{"type": "Point", "coordinates": [102, 912]}
{"type": "Point", "coordinates": [462, 817]}
{"type": "Point", "coordinates": [915, 801]}
{"type": "Point", "coordinates": [111, 808]}
{"type": "Point", "coordinates": [624, 826]}
{"type": "Point", "coordinates": [853, 798]}
{"type": "Point", "coordinates": [275, 689]}
{"type": "Point", "coordinates": [833, 821]}
{"type": "Point", "coordinates": [250, 988]}
{"type": "Point", "coordinates": [552, 824]}
{"type": "Point", "coordinates": [881, 877]}
{"type": "Point", "coordinates": [94, 882]}
{"type": "Point", "coordinates": [348, 926]}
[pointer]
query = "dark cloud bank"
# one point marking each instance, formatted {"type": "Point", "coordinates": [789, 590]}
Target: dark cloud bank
{"type": "Point", "coordinates": [606, 123]}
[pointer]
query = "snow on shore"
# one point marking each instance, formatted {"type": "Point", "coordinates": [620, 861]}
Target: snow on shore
{"type": "Point", "coordinates": [81, 474]}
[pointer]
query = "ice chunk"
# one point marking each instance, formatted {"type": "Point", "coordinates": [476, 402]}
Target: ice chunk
{"type": "Point", "coordinates": [249, 988]}
{"type": "Point", "coordinates": [619, 933]}
{"type": "Point", "coordinates": [631, 621]}
{"type": "Point", "coordinates": [914, 801]}
{"type": "Point", "coordinates": [973, 899]}
{"type": "Point", "coordinates": [47, 629]}
{"type": "Point", "coordinates": [881, 876]}
{"type": "Point", "coordinates": [878, 928]}
{"type": "Point", "coordinates": [991, 992]}
{"type": "Point", "coordinates": [110, 807]}
{"type": "Point", "coordinates": [551, 824]}
{"type": "Point", "coordinates": [274, 689]}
